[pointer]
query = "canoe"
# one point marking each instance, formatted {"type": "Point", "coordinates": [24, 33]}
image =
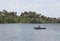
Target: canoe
{"type": "Point", "coordinates": [39, 28]}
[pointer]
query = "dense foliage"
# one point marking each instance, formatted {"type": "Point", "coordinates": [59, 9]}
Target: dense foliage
{"type": "Point", "coordinates": [25, 17]}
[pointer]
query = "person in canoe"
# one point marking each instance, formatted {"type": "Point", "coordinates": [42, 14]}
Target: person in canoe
{"type": "Point", "coordinates": [39, 27]}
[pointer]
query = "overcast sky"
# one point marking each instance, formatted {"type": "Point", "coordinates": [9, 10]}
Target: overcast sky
{"type": "Point", "coordinates": [49, 8]}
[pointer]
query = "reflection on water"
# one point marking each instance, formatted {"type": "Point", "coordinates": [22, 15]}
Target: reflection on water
{"type": "Point", "coordinates": [26, 32]}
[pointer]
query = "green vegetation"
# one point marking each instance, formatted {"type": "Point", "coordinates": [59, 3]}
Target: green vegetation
{"type": "Point", "coordinates": [25, 17]}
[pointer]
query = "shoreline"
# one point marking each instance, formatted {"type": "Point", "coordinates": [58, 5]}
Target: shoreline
{"type": "Point", "coordinates": [29, 23]}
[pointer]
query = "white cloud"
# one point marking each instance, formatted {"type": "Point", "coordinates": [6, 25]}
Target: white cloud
{"type": "Point", "coordinates": [55, 6]}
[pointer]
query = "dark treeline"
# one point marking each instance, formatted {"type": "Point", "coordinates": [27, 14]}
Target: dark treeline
{"type": "Point", "coordinates": [25, 17]}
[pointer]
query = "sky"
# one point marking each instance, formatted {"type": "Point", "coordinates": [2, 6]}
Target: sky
{"type": "Point", "coordinates": [50, 8]}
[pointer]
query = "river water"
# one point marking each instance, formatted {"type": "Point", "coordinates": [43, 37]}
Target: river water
{"type": "Point", "coordinates": [26, 32]}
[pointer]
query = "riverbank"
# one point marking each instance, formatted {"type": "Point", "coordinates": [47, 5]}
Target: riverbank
{"type": "Point", "coordinates": [25, 17]}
